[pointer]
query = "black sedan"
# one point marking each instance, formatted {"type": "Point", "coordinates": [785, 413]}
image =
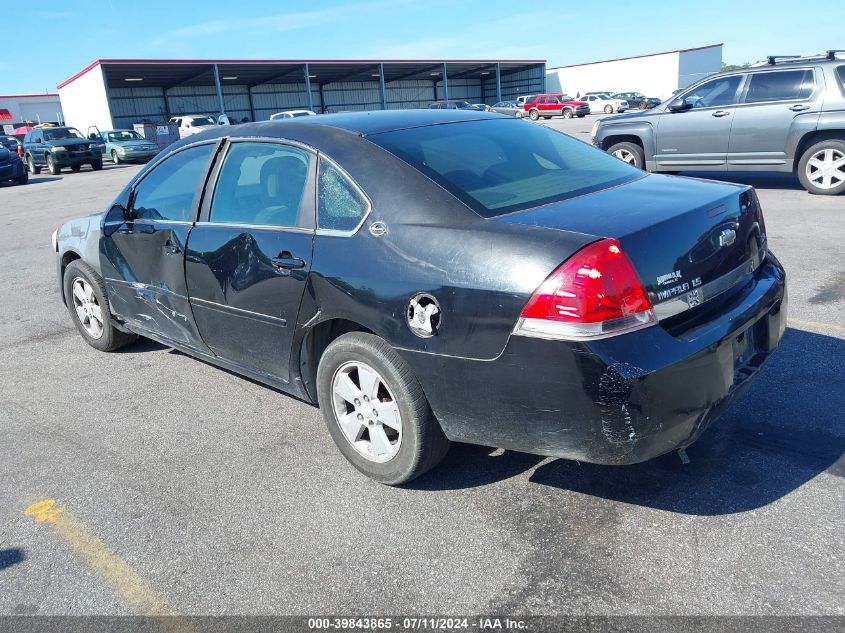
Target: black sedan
{"type": "Point", "coordinates": [427, 276]}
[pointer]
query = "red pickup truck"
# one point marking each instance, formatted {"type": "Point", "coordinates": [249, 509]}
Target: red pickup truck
{"type": "Point", "coordinates": [549, 105]}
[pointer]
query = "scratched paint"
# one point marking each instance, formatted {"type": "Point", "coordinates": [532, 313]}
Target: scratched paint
{"type": "Point", "coordinates": [129, 585]}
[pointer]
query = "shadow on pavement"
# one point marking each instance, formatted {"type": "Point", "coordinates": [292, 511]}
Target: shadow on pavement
{"type": "Point", "coordinates": [11, 556]}
{"type": "Point", "coordinates": [33, 180]}
{"type": "Point", "coordinates": [782, 433]}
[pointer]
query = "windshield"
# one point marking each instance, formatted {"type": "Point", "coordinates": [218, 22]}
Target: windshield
{"type": "Point", "coordinates": [125, 135]}
{"type": "Point", "coordinates": [497, 166]}
{"type": "Point", "coordinates": [7, 140]}
{"type": "Point", "coordinates": [202, 120]}
{"type": "Point", "coordinates": [61, 133]}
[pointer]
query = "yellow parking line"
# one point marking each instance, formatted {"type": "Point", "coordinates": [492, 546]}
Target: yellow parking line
{"type": "Point", "coordinates": [815, 325]}
{"type": "Point", "coordinates": [114, 570]}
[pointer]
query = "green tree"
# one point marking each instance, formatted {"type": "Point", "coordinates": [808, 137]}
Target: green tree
{"type": "Point", "coordinates": [726, 67]}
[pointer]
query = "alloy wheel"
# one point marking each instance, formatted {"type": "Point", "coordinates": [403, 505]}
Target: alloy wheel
{"type": "Point", "coordinates": [826, 168]}
{"type": "Point", "coordinates": [366, 412]}
{"type": "Point", "coordinates": [88, 309]}
{"type": "Point", "coordinates": [626, 156]}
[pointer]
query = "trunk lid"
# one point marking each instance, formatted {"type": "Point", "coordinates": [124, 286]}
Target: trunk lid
{"type": "Point", "coordinates": [681, 234]}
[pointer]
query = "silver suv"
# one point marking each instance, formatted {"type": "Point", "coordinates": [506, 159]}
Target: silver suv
{"type": "Point", "coordinates": [784, 115]}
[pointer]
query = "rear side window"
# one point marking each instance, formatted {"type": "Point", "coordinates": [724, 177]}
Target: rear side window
{"type": "Point", "coordinates": [168, 191]}
{"type": "Point", "coordinates": [779, 86]}
{"type": "Point", "coordinates": [498, 166]}
{"type": "Point", "coordinates": [261, 183]}
{"type": "Point", "coordinates": [340, 206]}
{"type": "Point", "coordinates": [840, 74]}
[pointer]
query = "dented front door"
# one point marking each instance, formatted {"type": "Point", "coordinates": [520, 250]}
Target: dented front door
{"type": "Point", "coordinates": [142, 256]}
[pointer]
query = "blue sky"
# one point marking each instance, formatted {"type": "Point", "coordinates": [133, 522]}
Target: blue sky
{"type": "Point", "coordinates": [75, 32]}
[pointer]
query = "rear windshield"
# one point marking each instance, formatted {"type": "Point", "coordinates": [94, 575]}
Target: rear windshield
{"type": "Point", "coordinates": [499, 166]}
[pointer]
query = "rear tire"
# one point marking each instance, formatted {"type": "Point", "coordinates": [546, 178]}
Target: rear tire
{"type": "Point", "coordinates": [30, 163]}
{"type": "Point", "coordinates": [630, 153]}
{"type": "Point", "coordinates": [415, 447]}
{"type": "Point", "coordinates": [818, 170]}
{"type": "Point", "coordinates": [52, 167]}
{"type": "Point", "coordinates": [89, 302]}
{"type": "Point", "coordinates": [534, 115]}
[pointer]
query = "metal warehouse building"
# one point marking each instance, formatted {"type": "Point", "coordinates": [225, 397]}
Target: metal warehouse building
{"type": "Point", "coordinates": [116, 93]}
{"type": "Point", "coordinates": [655, 74]}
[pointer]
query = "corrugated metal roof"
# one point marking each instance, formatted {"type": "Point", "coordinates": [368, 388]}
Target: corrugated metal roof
{"type": "Point", "coordinates": [619, 59]}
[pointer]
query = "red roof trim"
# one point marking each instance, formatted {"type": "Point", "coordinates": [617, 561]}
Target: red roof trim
{"type": "Point", "coordinates": [29, 96]}
{"type": "Point", "coordinates": [620, 59]}
{"type": "Point", "coordinates": [295, 61]}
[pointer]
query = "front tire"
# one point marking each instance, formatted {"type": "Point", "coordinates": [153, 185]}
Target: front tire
{"type": "Point", "coordinates": [376, 411]}
{"type": "Point", "coordinates": [97, 165]}
{"type": "Point", "coordinates": [88, 305]}
{"type": "Point", "coordinates": [567, 113]}
{"type": "Point", "coordinates": [52, 166]}
{"type": "Point", "coordinates": [75, 168]}
{"type": "Point", "coordinates": [114, 157]}
{"type": "Point", "coordinates": [630, 153]}
{"type": "Point", "coordinates": [608, 109]}
{"type": "Point", "coordinates": [22, 180]}
{"type": "Point", "coordinates": [821, 169]}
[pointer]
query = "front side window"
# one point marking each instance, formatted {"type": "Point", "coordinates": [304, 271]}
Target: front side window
{"type": "Point", "coordinates": [169, 190]}
{"type": "Point", "coordinates": [262, 184]}
{"type": "Point", "coordinates": [780, 86]}
{"type": "Point", "coordinates": [713, 94]}
{"type": "Point", "coordinates": [501, 165]}
{"type": "Point", "coordinates": [340, 206]}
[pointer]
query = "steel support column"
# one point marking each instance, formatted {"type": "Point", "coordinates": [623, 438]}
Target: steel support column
{"type": "Point", "coordinates": [498, 82]}
{"type": "Point", "coordinates": [308, 87]}
{"type": "Point", "coordinates": [445, 84]}
{"type": "Point", "coordinates": [219, 89]}
{"type": "Point", "coordinates": [381, 90]}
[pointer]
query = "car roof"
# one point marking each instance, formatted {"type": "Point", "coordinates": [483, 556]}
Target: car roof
{"type": "Point", "coordinates": [378, 121]}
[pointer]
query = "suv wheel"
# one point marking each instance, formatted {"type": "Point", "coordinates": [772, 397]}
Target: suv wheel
{"type": "Point", "coordinates": [567, 113]}
{"type": "Point", "coordinates": [30, 163]}
{"type": "Point", "coordinates": [534, 115]}
{"type": "Point", "coordinates": [821, 169]}
{"type": "Point", "coordinates": [630, 153]}
{"type": "Point", "coordinates": [52, 166]}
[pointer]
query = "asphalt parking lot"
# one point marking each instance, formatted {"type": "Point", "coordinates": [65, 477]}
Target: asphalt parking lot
{"type": "Point", "coordinates": [210, 494]}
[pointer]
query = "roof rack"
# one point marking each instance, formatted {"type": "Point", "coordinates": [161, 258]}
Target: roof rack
{"type": "Point", "coordinates": [772, 60]}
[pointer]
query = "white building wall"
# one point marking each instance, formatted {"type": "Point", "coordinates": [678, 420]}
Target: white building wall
{"type": "Point", "coordinates": [31, 108]}
{"type": "Point", "coordinates": [653, 75]}
{"type": "Point", "coordinates": [84, 101]}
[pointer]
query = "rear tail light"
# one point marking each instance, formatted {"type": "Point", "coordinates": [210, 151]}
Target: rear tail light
{"type": "Point", "coordinates": [594, 294]}
{"type": "Point", "coordinates": [20, 151]}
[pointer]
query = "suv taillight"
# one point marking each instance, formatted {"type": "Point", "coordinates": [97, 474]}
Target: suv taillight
{"type": "Point", "coordinates": [594, 294]}
{"type": "Point", "coordinates": [20, 151]}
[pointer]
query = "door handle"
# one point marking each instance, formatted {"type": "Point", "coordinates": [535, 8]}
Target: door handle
{"type": "Point", "coordinates": [799, 108]}
{"type": "Point", "coordinates": [288, 261]}
{"type": "Point", "coordinates": [720, 113]}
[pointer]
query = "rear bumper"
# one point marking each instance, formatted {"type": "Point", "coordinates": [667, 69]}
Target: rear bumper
{"type": "Point", "coordinates": [620, 400]}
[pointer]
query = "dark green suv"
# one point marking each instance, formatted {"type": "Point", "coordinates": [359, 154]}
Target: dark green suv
{"type": "Point", "coordinates": [57, 147]}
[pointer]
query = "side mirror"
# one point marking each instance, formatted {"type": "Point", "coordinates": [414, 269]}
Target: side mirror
{"type": "Point", "coordinates": [679, 105]}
